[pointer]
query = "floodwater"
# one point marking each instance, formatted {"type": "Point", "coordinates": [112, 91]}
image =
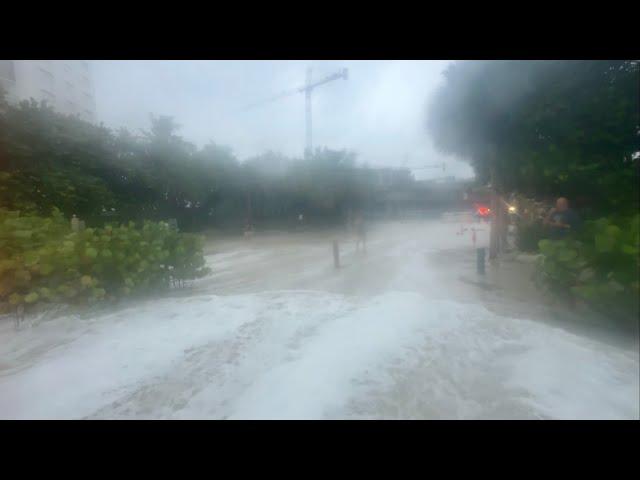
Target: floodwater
{"type": "Point", "coordinates": [407, 329]}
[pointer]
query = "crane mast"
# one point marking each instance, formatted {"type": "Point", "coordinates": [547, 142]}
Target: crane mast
{"type": "Point", "coordinates": [308, 150]}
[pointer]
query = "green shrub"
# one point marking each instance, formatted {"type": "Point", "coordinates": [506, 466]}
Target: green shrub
{"type": "Point", "coordinates": [42, 259]}
{"type": "Point", "coordinates": [601, 267]}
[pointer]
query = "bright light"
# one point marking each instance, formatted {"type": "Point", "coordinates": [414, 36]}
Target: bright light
{"type": "Point", "coordinates": [512, 209]}
{"type": "Point", "coordinates": [483, 211]}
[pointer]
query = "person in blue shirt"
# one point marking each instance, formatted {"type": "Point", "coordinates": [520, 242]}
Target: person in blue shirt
{"type": "Point", "coordinates": [561, 220]}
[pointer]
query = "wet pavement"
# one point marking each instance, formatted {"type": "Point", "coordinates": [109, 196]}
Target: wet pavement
{"type": "Point", "coordinates": [407, 329]}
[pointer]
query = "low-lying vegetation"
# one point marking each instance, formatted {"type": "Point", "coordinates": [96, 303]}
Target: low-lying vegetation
{"type": "Point", "coordinates": [42, 259]}
{"type": "Point", "coordinates": [600, 266]}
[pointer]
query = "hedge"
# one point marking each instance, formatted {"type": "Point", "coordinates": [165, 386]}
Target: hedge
{"type": "Point", "coordinates": [601, 267]}
{"type": "Point", "coordinates": [43, 260]}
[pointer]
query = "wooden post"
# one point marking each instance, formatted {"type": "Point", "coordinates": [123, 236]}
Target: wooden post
{"type": "Point", "coordinates": [480, 260]}
{"type": "Point", "coordinates": [19, 314]}
{"type": "Point", "coordinates": [336, 254]}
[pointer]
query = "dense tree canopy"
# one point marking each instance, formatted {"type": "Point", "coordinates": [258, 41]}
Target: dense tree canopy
{"type": "Point", "coordinates": [50, 160]}
{"type": "Point", "coordinates": [545, 127]}
{"type": "Point", "coordinates": [552, 128]}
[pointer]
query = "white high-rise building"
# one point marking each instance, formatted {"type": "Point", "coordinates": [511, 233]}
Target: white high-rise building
{"type": "Point", "coordinates": [66, 85]}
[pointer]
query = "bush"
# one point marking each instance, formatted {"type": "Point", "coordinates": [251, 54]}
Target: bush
{"type": "Point", "coordinates": [43, 260]}
{"type": "Point", "coordinates": [601, 267]}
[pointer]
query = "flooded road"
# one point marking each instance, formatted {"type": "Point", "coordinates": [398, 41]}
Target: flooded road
{"type": "Point", "coordinates": [406, 330]}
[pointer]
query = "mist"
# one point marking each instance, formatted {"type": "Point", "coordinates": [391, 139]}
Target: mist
{"type": "Point", "coordinates": [378, 112]}
{"type": "Point", "coordinates": [462, 240]}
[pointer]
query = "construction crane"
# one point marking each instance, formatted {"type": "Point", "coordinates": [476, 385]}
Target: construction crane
{"type": "Point", "coordinates": [307, 89]}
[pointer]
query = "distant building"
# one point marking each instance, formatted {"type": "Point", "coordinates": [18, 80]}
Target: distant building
{"type": "Point", "coordinates": [447, 192]}
{"type": "Point", "coordinates": [392, 178]}
{"type": "Point", "coordinates": [66, 85]}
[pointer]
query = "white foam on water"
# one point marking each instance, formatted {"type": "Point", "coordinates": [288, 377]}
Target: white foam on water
{"type": "Point", "coordinates": [406, 353]}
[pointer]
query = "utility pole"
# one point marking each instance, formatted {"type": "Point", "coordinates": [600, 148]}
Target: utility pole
{"type": "Point", "coordinates": [493, 234]}
{"type": "Point", "coordinates": [496, 205]}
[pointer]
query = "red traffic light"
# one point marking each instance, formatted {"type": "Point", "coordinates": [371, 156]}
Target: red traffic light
{"type": "Point", "coordinates": [482, 210]}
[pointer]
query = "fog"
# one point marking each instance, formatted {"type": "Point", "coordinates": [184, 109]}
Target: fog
{"type": "Point", "coordinates": [378, 112]}
{"type": "Point", "coordinates": [143, 278]}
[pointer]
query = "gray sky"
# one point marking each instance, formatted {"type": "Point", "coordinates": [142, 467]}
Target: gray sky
{"type": "Point", "coordinates": [378, 112]}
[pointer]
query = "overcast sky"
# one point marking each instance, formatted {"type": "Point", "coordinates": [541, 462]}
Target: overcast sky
{"type": "Point", "coordinates": [378, 112]}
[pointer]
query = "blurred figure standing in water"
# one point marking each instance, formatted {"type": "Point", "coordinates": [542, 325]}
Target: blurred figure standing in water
{"type": "Point", "coordinates": [361, 233]}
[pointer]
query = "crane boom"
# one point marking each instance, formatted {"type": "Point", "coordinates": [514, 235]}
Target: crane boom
{"type": "Point", "coordinates": [343, 74]}
{"type": "Point", "coordinates": [286, 93]}
{"type": "Point", "coordinates": [310, 86]}
{"type": "Point", "coordinates": [306, 89]}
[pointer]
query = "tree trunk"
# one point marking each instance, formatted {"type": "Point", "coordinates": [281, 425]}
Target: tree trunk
{"type": "Point", "coordinates": [504, 226]}
{"type": "Point", "coordinates": [495, 217]}
{"type": "Point", "coordinates": [494, 238]}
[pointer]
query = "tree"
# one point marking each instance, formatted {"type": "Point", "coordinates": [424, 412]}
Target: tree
{"type": "Point", "coordinates": [52, 160]}
{"type": "Point", "coordinates": [545, 127]}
